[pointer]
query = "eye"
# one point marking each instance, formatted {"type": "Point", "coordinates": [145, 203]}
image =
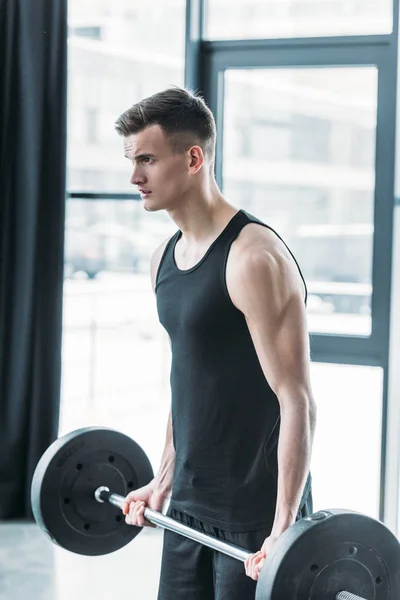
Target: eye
{"type": "Point", "coordinates": [147, 160]}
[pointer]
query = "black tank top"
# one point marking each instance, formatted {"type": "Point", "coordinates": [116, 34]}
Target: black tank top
{"type": "Point", "coordinates": [225, 416]}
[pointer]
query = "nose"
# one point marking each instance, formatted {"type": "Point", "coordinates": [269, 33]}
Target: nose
{"type": "Point", "coordinates": [137, 177]}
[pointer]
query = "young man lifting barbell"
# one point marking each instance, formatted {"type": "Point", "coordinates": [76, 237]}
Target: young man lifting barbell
{"type": "Point", "coordinates": [232, 298]}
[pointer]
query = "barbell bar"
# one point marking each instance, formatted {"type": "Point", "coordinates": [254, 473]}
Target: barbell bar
{"type": "Point", "coordinates": [103, 494]}
{"type": "Point", "coordinates": [320, 556]}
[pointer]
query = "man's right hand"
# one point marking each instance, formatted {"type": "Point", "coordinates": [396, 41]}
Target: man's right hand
{"type": "Point", "coordinates": [138, 500]}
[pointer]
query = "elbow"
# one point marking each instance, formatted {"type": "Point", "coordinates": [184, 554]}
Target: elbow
{"type": "Point", "coordinates": [301, 401]}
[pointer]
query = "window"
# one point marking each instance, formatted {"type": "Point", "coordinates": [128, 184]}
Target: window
{"type": "Point", "coordinates": [115, 353]}
{"type": "Point", "coordinates": [91, 124]}
{"type": "Point", "coordinates": [300, 171]}
{"type": "Point", "coordinates": [108, 73]}
{"type": "Point", "coordinates": [115, 356]}
{"type": "Point", "coordinates": [245, 19]}
{"type": "Point", "coordinates": [347, 448]}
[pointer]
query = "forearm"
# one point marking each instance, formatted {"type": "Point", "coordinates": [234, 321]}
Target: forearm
{"type": "Point", "coordinates": [164, 476]}
{"type": "Point", "coordinates": [294, 456]}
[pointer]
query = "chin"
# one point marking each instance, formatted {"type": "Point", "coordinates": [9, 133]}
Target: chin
{"type": "Point", "coordinates": [152, 206]}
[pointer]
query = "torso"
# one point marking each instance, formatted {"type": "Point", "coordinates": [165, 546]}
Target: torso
{"type": "Point", "coordinates": [225, 415]}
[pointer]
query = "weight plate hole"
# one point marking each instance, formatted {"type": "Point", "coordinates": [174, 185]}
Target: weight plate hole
{"type": "Point", "coordinates": [353, 551]}
{"type": "Point", "coordinates": [118, 518]}
{"type": "Point", "coordinates": [130, 485]}
{"type": "Point", "coordinates": [379, 580]}
{"type": "Point", "coordinates": [79, 467]}
{"type": "Point", "coordinates": [86, 527]}
{"type": "Point", "coordinates": [314, 568]}
{"type": "Point", "coordinates": [67, 500]}
{"type": "Point", "coordinates": [111, 459]}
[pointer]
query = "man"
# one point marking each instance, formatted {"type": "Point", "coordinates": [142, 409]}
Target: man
{"type": "Point", "coordinates": [232, 299]}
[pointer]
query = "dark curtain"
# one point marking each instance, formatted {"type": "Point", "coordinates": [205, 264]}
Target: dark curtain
{"type": "Point", "coordinates": [33, 48]}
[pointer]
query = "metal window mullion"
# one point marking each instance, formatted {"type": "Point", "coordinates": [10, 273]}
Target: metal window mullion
{"type": "Point", "coordinates": [383, 204]}
{"type": "Point", "coordinates": [325, 42]}
{"type": "Point", "coordinates": [390, 472]}
{"type": "Point", "coordinates": [193, 40]}
{"type": "Point", "coordinates": [390, 485]}
{"type": "Point", "coordinates": [80, 195]}
{"type": "Point", "coordinates": [265, 56]}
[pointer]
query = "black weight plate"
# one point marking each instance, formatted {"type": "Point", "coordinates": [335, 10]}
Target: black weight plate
{"type": "Point", "coordinates": [329, 552]}
{"type": "Point", "coordinates": [64, 482]}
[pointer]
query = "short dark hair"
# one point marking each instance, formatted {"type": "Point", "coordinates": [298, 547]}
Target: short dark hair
{"type": "Point", "coordinates": [183, 116]}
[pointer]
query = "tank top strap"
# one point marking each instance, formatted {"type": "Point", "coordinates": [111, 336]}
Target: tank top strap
{"type": "Point", "coordinates": [235, 226]}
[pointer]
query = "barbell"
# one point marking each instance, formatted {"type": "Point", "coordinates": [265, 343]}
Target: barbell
{"type": "Point", "coordinates": [80, 485]}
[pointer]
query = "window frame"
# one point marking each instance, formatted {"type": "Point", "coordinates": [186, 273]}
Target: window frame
{"type": "Point", "coordinates": [328, 347]}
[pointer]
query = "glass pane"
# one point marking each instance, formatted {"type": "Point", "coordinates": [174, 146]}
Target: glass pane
{"type": "Point", "coordinates": [118, 53]}
{"type": "Point", "coordinates": [301, 157]}
{"type": "Point", "coordinates": [115, 353]}
{"type": "Point", "coordinates": [246, 19]}
{"type": "Point", "coordinates": [347, 446]}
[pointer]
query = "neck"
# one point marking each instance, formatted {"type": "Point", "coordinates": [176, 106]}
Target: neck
{"type": "Point", "coordinates": [202, 214]}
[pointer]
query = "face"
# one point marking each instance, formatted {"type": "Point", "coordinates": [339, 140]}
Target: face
{"type": "Point", "coordinates": [163, 177]}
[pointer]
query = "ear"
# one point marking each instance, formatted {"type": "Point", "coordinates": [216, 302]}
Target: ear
{"type": "Point", "coordinates": [196, 159]}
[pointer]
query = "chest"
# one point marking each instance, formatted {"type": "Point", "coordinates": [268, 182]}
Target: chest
{"type": "Point", "coordinates": [190, 304]}
{"type": "Point", "coordinates": [188, 256]}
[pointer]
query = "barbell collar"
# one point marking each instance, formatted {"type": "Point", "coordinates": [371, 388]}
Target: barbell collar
{"type": "Point", "coordinates": [103, 494]}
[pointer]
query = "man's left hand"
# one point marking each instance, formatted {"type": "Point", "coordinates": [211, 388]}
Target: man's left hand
{"type": "Point", "coordinates": [254, 563]}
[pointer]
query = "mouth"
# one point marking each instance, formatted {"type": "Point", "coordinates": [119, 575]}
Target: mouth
{"type": "Point", "coordinates": [144, 192]}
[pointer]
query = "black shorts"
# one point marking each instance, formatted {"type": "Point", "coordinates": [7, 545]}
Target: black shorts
{"type": "Point", "coordinates": [190, 571]}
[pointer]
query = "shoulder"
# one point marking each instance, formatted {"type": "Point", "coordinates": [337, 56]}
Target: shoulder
{"type": "Point", "coordinates": [260, 260]}
{"type": "Point", "coordinates": [156, 259]}
{"type": "Point", "coordinates": [254, 237]}
{"type": "Point", "coordinates": [259, 249]}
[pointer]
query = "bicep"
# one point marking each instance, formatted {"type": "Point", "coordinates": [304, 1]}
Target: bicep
{"type": "Point", "coordinates": [281, 342]}
{"type": "Point", "coordinates": [269, 292]}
